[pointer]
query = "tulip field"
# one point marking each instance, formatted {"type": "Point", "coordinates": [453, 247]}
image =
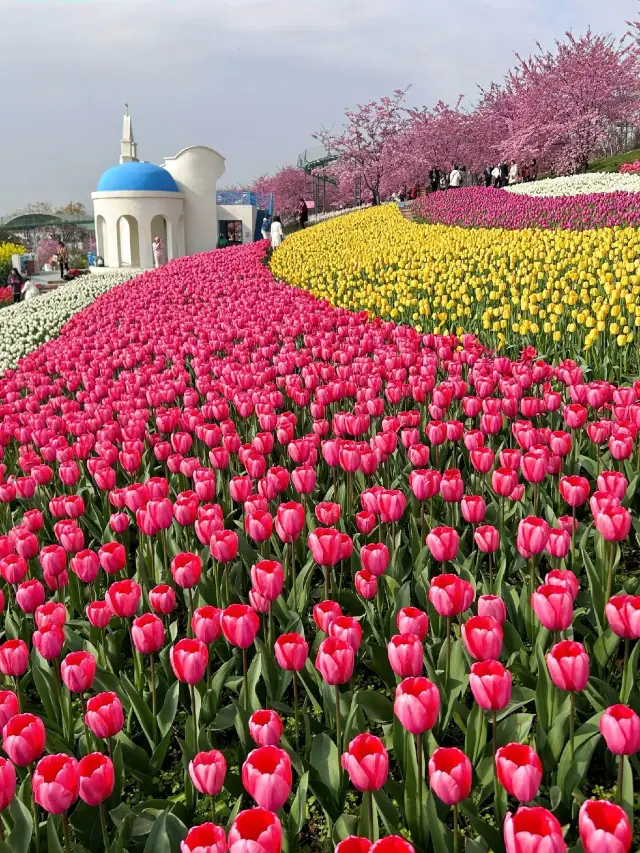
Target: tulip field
{"type": "Point", "coordinates": [283, 575]}
{"type": "Point", "coordinates": [559, 273]}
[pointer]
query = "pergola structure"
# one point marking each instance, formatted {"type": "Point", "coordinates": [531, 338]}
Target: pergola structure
{"type": "Point", "coordinates": [313, 161]}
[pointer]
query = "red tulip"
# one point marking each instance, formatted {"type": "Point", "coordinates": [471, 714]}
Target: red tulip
{"type": "Point", "coordinates": [553, 605]}
{"type": "Point", "coordinates": [189, 660]}
{"type": "Point", "coordinates": [240, 624]}
{"type": "Point", "coordinates": [443, 543]}
{"type": "Point", "coordinates": [162, 599]}
{"type": "Point", "coordinates": [258, 526]}
{"type": "Point", "coordinates": [353, 844]}
{"type": "Point", "coordinates": [97, 778]}
{"type": "Point", "coordinates": [450, 595]}
{"type": "Point", "coordinates": [417, 704]}
{"type": "Point", "coordinates": [406, 655]}
{"type": "Point", "coordinates": [14, 658]}
{"type": "Point", "coordinates": [519, 771]}
{"type": "Point", "coordinates": [482, 637]}
{"type": "Point", "coordinates": [23, 739]}
{"type": "Point", "coordinates": [504, 481]}
{"type": "Point", "coordinates": [266, 728]}
{"type": "Point", "coordinates": [366, 584]}
{"type": "Point", "coordinates": [29, 596]}
{"type": "Point", "coordinates": [104, 717]}
{"type": "Point", "coordinates": [255, 831]}
{"type": "Point", "coordinates": [604, 827]}
{"type": "Point", "coordinates": [267, 578]}
{"type": "Point", "coordinates": [534, 830]}
{"type": "Point", "coordinates": [574, 490]}
{"type": "Point", "coordinates": [614, 482]}
{"type": "Point", "coordinates": [113, 557]}
{"type": "Point", "coordinates": [450, 774]}
{"type": "Point", "coordinates": [328, 513]}
{"type": "Point", "coordinates": [410, 620]}
{"type": "Point", "coordinates": [99, 614]}
{"type": "Point", "coordinates": [473, 509]}
{"type": "Point", "coordinates": [123, 598]}
{"type": "Point", "coordinates": [204, 838]}
{"type": "Point", "coordinates": [224, 545]}
{"type": "Point", "coordinates": [490, 684]}
{"type": "Point", "coordinates": [266, 776]}
{"type": "Point", "coordinates": [392, 844]}
{"type": "Point", "coordinates": [207, 771]}
{"type": "Point", "coordinates": [613, 523]}
{"type": "Point", "coordinates": [8, 706]}
{"type": "Point", "coordinates": [367, 762]}
{"type": "Point", "coordinates": [56, 783]}
{"type": "Point", "coordinates": [325, 544]}
{"type": "Point", "coordinates": [77, 671]}
{"type": "Point", "coordinates": [206, 623]}
{"type": "Point", "coordinates": [7, 783]}
{"type": "Point", "coordinates": [533, 533]}
{"type": "Point", "coordinates": [147, 633]}
{"type": "Point", "coordinates": [186, 569]}
{"type": "Point", "coordinates": [324, 613]}
{"type": "Point", "coordinates": [348, 629]}
{"type": "Point", "coordinates": [375, 558]}
{"type": "Point", "coordinates": [620, 726]}
{"type": "Point", "coordinates": [291, 651]}
{"type": "Point", "coordinates": [335, 660]}
{"type": "Point", "coordinates": [487, 538]}
{"type": "Point", "coordinates": [49, 641]}
{"type": "Point", "coordinates": [568, 665]}
{"type": "Point", "coordinates": [86, 565]}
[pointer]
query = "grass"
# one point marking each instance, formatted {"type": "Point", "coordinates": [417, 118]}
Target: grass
{"type": "Point", "coordinates": [612, 164]}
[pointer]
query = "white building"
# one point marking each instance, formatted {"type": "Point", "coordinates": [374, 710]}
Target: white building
{"type": "Point", "coordinates": [137, 201]}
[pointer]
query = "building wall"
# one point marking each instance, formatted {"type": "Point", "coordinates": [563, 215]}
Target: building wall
{"type": "Point", "coordinates": [196, 171]}
{"type": "Point", "coordinates": [109, 207]}
{"type": "Point", "coordinates": [245, 213]}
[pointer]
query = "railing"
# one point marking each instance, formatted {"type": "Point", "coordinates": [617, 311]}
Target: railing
{"type": "Point", "coordinates": [236, 197]}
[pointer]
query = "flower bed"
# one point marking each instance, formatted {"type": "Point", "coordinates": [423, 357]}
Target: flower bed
{"type": "Point", "coordinates": [631, 168]}
{"type": "Point", "coordinates": [6, 295]}
{"type": "Point", "coordinates": [479, 207]}
{"type": "Point", "coordinates": [26, 325]}
{"type": "Point", "coordinates": [553, 288]}
{"type": "Point", "coordinates": [587, 184]}
{"type": "Point", "coordinates": [279, 574]}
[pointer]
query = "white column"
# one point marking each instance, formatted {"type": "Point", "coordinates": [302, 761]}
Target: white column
{"type": "Point", "coordinates": [111, 239]}
{"type": "Point", "coordinates": [146, 247]}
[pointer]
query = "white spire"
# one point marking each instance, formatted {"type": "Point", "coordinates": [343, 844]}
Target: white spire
{"type": "Point", "coordinates": [128, 145]}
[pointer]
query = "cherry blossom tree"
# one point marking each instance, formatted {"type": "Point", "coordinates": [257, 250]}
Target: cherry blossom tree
{"type": "Point", "coordinates": [363, 144]}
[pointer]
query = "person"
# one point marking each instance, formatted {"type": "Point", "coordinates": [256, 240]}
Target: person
{"type": "Point", "coordinates": [434, 179]}
{"type": "Point", "coordinates": [455, 178]}
{"type": "Point", "coordinates": [303, 214]}
{"type": "Point", "coordinates": [29, 290]}
{"type": "Point", "coordinates": [63, 258]}
{"type": "Point", "coordinates": [514, 175]}
{"type": "Point", "coordinates": [276, 232]}
{"type": "Point", "coordinates": [495, 177]}
{"type": "Point", "coordinates": [265, 228]}
{"type": "Point", "coordinates": [15, 282]}
{"type": "Point", "coordinates": [504, 174]}
{"type": "Point", "coordinates": [403, 193]}
{"type": "Point", "coordinates": [533, 170]}
{"type": "Point", "coordinates": [223, 242]}
{"type": "Point", "coordinates": [158, 252]}
{"type": "Point", "coordinates": [444, 180]}
{"type": "Point", "coordinates": [487, 176]}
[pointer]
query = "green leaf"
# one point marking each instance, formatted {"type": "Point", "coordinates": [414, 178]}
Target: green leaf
{"type": "Point", "coordinates": [487, 832]}
{"type": "Point", "coordinates": [476, 738]}
{"type": "Point", "coordinates": [440, 834]}
{"type": "Point", "coordinates": [387, 811]}
{"type": "Point", "coordinates": [325, 761]}
{"type": "Point", "coordinates": [377, 707]}
{"type": "Point", "coordinates": [298, 814]}
{"type": "Point", "coordinates": [572, 769]}
{"type": "Point", "coordinates": [169, 709]}
{"type": "Point", "coordinates": [627, 788]}
{"type": "Point", "coordinates": [630, 679]}
{"type": "Point", "coordinates": [19, 838]}
{"type": "Point", "coordinates": [597, 591]}
{"type": "Point", "coordinates": [53, 840]}
{"type": "Point", "coordinates": [514, 729]}
{"type": "Point", "coordinates": [343, 827]}
{"type": "Point", "coordinates": [142, 710]}
{"type": "Point", "coordinates": [158, 839]}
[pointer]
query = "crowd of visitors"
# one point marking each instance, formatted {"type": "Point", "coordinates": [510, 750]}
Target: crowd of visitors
{"type": "Point", "coordinates": [501, 175]}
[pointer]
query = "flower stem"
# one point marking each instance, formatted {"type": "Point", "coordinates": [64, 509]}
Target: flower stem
{"type": "Point", "coordinates": [619, 784]}
{"type": "Point", "coordinates": [448, 666]}
{"type": "Point", "coordinates": [154, 709]}
{"type": "Point", "coordinates": [337, 694]}
{"type": "Point", "coordinates": [193, 711]}
{"type": "Point", "coordinates": [105, 832]}
{"type": "Point", "coordinates": [295, 709]}
{"type": "Point", "coordinates": [456, 831]}
{"type": "Point", "coordinates": [65, 830]}
{"type": "Point", "coordinates": [245, 680]}
{"type": "Point", "coordinates": [572, 714]}
{"type": "Point", "coordinates": [419, 751]}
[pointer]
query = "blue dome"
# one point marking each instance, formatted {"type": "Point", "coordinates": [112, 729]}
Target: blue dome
{"type": "Point", "coordinates": [137, 177]}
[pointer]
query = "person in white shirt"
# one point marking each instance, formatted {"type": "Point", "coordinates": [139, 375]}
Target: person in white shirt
{"type": "Point", "coordinates": [514, 177]}
{"type": "Point", "coordinates": [276, 232]}
{"type": "Point", "coordinates": [455, 178]}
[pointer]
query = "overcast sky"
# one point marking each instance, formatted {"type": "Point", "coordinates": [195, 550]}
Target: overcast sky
{"type": "Point", "coordinates": [252, 78]}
